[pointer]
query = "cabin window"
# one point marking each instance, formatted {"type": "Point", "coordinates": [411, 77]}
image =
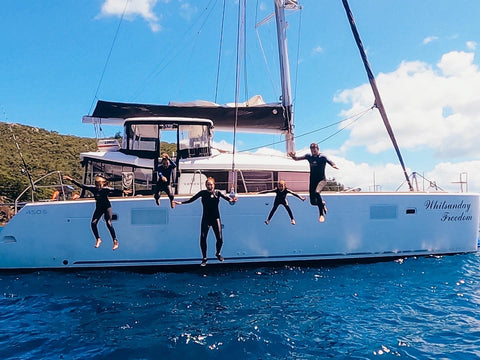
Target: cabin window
{"type": "Point", "coordinates": [149, 216]}
{"type": "Point", "coordinates": [193, 141]}
{"type": "Point", "coordinates": [142, 137]}
{"type": "Point", "coordinates": [247, 181]}
{"type": "Point", "coordinates": [254, 181]}
{"type": "Point", "coordinates": [296, 181]}
{"type": "Point", "coordinates": [121, 177]}
{"type": "Point", "coordinates": [382, 212]}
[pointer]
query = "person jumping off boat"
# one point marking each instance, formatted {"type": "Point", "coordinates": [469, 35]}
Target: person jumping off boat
{"type": "Point", "coordinates": [318, 180]}
{"type": "Point", "coordinates": [164, 173]}
{"type": "Point", "coordinates": [281, 192]}
{"type": "Point", "coordinates": [210, 217]}
{"type": "Point", "coordinates": [102, 207]}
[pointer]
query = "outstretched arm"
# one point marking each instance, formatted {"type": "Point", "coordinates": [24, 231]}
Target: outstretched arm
{"type": "Point", "coordinates": [192, 199]}
{"type": "Point", "coordinates": [296, 195]}
{"type": "Point", "coordinates": [332, 164]}
{"type": "Point", "coordinates": [83, 186]}
{"type": "Point", "coordinates": [266, 191]}
{"type": "Point", "coordinates": [296, 158]}
{"type": "Point", "coordinates": [225, 197]}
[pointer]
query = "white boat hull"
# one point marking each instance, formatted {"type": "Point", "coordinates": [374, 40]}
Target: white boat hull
{"type": "Point", "coordinates": [57, 235]}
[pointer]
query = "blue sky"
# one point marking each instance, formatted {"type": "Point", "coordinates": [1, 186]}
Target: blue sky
{"type": "Point", "coordinates": [59, 57]}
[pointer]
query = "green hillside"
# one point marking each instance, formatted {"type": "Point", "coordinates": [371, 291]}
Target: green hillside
{"type": "Point", "coordinates": [44, 151]}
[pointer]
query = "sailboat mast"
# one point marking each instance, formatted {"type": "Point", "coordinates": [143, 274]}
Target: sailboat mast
{"type": "Point", "coordinates": [285, 71]}
{"type": "Point", "coordinates": [376, 93]}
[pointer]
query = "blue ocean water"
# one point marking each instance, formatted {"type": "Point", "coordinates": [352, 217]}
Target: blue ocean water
{"type": "Point", "coordinates": [416, 308]}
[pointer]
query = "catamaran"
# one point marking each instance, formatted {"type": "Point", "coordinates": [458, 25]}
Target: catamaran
{"type": "Point", "coordinates": [359, 225]}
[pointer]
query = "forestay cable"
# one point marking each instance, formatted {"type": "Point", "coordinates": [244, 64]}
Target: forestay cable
{"type": "Point", "coordinates": [373, 84]}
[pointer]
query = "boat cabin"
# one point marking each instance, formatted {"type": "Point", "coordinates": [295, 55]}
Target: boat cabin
{"type": "Point", "coordinates": [130, 167]}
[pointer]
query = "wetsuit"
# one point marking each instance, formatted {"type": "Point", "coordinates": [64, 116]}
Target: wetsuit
{"type": "Point", "coordinates": [164, 185]}
{"type": "Point", "coordinates": [280, 199]}
{"type": "Point", "coordinates": [102, 207]}
{"type": "Point", "coordinates": [317, 178]}
{"type": "Point", "coordinates": [210, 217]}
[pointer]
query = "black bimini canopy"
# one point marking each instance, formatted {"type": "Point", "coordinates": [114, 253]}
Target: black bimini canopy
{"type": "Point", "coordinates": [257, 118]}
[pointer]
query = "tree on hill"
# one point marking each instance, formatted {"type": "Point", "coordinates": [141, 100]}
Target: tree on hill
{"type": "Point", "coordinates": [44, 151]}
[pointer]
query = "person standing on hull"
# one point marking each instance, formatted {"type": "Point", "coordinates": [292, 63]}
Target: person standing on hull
{"type": "Point", "coordinates": [102, 207]}
{"type": "Point", "coordinates": [164, 173]}
{"type": "Point", "coordinates": [210, 217]}
{"type": "Point", "coordinates": [318, 180]}
{"type": "Point", "coordinates": [281, 192]}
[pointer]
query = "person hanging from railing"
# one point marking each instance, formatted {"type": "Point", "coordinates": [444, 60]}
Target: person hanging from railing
{"type": "Point", "coordinates": [210, 217]}
{"type": "Point", "coordinates": [164, 173]}
{"type": "Point", "coordinates": [281, 193]}
{"type": "Point", "coordinates": [102, 207]}
{"type": "Point", "coordinates": [318, 180]}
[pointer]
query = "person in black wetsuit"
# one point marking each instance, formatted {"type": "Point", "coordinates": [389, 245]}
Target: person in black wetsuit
{"type": "Point", "coordinates": [210, 217]}
{"type": "Point", "coordinates": [164, 173]}
{"type": "Point", "coordinates": [281, 199]}
{"type": "Point", "coordinates": [102, 207]}
{"type": "Point", "coordinates": [318, 180]}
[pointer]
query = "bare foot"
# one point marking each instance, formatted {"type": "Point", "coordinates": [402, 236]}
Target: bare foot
{"type": "Point", "coordinates": [267, 222]}
{"type": "Point", "coordinates": [321, 218]}
{"type": "Point", "coordinates": [172, 204]}
{"type": "Point", "coordinates": [98, 242]}
{"type": "Point", "coordinates": [115, 245]}
{"type": "Point", "coordinates": [293, 222]}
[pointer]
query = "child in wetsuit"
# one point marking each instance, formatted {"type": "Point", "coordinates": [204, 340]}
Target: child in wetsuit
{"type": "Point", "coordinates": [281, 199]}
{"type": "Point", "coordinates": [102, 207]}
{"type": "Point", "coordinates": [210, 217]}
{"type": "Point", "coordinates": [164, 172]}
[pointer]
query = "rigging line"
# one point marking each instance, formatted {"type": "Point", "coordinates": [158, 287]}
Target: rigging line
{"type": "Point", "coordinates": [338, 131]}
{"type": "Point", "coordinates": [298, 56]}
{"type": "Point", "coordinates": [275, 88]}
{"type": "Point", "coordinates": [240, 26]}
{"type": "Point", "coordinates": [260, 43]}
{"type": "Point", "coordinates": [220, 50]}
{"type": "Point", "coordinates": [355, 117]}
{"type": "Point", "coordinates": [195, 41]}
{"type": "Point", "coordinates": [172, 52]}
{"type": "Point", "coordinates": [23, 161]}
{"type": "Point", "coordinates": [376, 93]}
{"type": "Point", "coordinates": [109, 55]}
{"type": "Point", "coordinates": [245, 79]}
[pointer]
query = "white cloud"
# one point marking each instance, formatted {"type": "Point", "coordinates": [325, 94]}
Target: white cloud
{"type": "Point", "coordinates": [389, 177]}
{"type": "Point", "coordinates": [454, 173]}
{"type": "Point", "coordinates": [222, 145]}
{"type": "Point", "coordinates": [429, 39]}
{"type": "Point", "coordinates": [187, 11]}
{"type": "Point", "coordinates": [428, 107]}
{"type": "Point", "coordinates": [432, 110]}
{"type": "Point", "coordinates": [133, 8]}
{"type": "Point", "coordinates": [471, 45]}
{"type": "Point", "coordinates": [317, 50]}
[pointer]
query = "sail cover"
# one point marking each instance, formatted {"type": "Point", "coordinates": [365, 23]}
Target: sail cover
{"type": "Point", "coordinates": [265, 118]}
